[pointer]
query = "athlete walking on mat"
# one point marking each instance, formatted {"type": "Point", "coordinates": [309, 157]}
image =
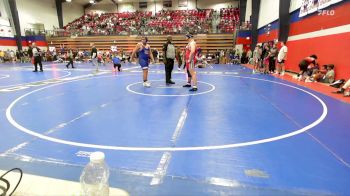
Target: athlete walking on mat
{"type": "Point", "coordinates": [143, 50]}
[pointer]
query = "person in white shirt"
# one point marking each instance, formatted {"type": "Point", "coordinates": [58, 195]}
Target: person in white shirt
{"type": "Point", "coordinates": [281, 58]}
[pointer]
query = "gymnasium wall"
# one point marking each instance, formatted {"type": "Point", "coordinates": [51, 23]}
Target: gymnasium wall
{"type": "Point", "coordinates": [268, 21]}
{"type": "Point", "coordinates": [268, 12]}
{"type": "Point", "coordinates": [248, 11]}
{"type": "Point", "coordinates": [44, 11]}
{"type": "Point", "coordinates": [5, 24]}
{"type": "Point", "coordinates": [243, 39]}
{"type": "Point", "coordinates": [325, 34]}
{"type": "Point", "coordinates": [5, 28]}
{"type": "Point", "coordinates": [71, 11]}
{"type": "Point", "coordinates": [8, 43]}
{"type": "Point", "coordinates": [268, 32]}
{"type": "Point", "coordinates": [37, 11]}
{"type": "Point", "coordinates": [3, 10]}
{"type": "Point", "coordinates": [294, 5]}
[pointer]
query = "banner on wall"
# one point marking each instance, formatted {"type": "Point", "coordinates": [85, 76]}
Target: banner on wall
{"type": "Point", "coordinates": [311, 6]}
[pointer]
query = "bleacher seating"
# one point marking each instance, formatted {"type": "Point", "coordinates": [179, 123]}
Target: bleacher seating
{"type": "Point", "coordinates": [163, 22]}
{"type": "Point", "coordinates": [123, 29]}
{"type": "Point", "coordinates": [229, 17]}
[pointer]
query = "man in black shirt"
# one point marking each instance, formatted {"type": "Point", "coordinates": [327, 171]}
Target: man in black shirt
{"type": "Point", "coordinates": [37, 58]}
{"type": "Point", "coordinates": [168, 57]}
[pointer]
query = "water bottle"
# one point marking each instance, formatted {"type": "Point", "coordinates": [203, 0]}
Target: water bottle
{"type": "Point", "coordinates": [94, 178]}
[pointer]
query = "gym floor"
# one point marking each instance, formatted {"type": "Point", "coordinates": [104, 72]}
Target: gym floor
{"type": "Point", "coordinates": [238, 134]}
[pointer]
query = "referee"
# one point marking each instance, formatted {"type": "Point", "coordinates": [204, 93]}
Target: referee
{"type": "Point", "coordinates": [168, 56]}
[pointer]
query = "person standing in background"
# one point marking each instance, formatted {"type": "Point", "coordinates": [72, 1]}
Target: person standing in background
{"type": "Point", "coordinates": [272, 58]}
{"type": "Point", "coordinates": [37, 58]}
{"type": "Point", "coordinates": [256, 59]}
{"type": "Point", "coordinates": [155, 55]}
{"type": "Point", "coordinates": [249, 56]}
{"type": "Point", "coordinates": [30, 54]}
{"type": "Point", "coordinates": [116, 63]}
{"type": "Point", "coordinates": [94, 55]}
{"type": "Point", "coordinates": [2, 56]}
{"type": "Point", "coordinates": [70, 58]}
{"type": "Point", "coordinates": [21, 56]}
{"type": "Point", "coordinates": [179, 58]}
{"type": "Point", "coordinates": [243, 57]}
{"type": "Point", "coordinates": [281, 58]}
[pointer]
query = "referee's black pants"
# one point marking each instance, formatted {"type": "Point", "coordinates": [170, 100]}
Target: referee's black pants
{"type": "Point", "coordinates": [37, 60]}
{"type": "Point", "coordinates": [169, 66]}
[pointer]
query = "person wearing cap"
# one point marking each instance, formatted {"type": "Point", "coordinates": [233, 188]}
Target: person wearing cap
{"type": "Point", "coordinates": [190, 61]}
{"type": "Point", "coordinates": [143, 49]}
{"type": "Point", "coordinates": [169, 56]}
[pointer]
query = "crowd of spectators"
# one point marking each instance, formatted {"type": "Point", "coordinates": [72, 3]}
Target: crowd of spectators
{"type": "Point", "coordinates": [228, 19]}
{"type": "Point", "coordinates": [22, 56]}
{"type": "Point", "coordinates": [162, 22]}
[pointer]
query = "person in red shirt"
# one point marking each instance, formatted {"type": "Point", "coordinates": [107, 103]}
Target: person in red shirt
{"type": "Point", "coordinates": [304, 64]}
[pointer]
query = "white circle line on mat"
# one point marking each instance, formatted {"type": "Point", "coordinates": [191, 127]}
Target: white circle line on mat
{"type": "Point", "coordinates": [164, 95]}
{"type": "Point", "coordinates": [189, 148]}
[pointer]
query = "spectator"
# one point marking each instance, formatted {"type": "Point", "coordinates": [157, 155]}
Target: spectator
{"type": "Point", "coordinates": [272, 58]}
{"type": "Point", "coordinates": [343, 89]}
{"type": "Point", "coordinates": [21, 56]}
{"type": "Point", "coordinates": [116, 63]}
{"type": "Point", "coordinates": [249, 56]}
{"type": "Point", "coordinates": [179, 57]}
{"type": "Point", "coordinates": [2, 56]}
{"type": "Point", "coordinates": [319, 74]}
{"type": "Point", "coordinates": [304, 64]}
{"type": "Point", "coordinates": [94, 56]}
{"type": "Point", "coordinates": [244, 56]}
{"type": "Point", "coordinates": [155, 55]}
{"type": "Point", "coordinates": [281, 58]}
{"type": "Point", "coordinates": [70, 59]}
{"type": "Point", "coordinates": [265, 58]}
{"type": "Point", "coordinates": [256, 58]}
{"type": "Point", "coordinates": [330, 75]}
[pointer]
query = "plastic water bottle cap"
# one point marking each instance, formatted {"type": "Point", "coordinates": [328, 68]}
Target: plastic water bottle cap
{"type": "Point", "coordinates": [97, 157]}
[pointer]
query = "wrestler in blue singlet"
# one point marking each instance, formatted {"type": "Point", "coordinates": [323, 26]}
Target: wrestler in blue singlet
{"type": "Point", "coordinates": [144, 57]}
